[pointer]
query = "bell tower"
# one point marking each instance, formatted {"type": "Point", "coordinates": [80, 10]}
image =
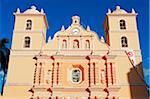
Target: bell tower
{"type": "Point", "coordinates": [122, 36]}
{"type": "Point", "coordinates": [121, 29]}
{"type": "Point", "coordinates": [29, 36]}
{"type": "Point", "coordinates": [30, 27]}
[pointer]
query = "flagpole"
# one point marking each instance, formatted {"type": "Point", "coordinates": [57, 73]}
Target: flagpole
{"type": "Point", "coordinates": [137, 71]}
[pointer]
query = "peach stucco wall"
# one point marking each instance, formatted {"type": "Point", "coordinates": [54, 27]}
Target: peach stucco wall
{"type": "Point", "coordinates": [105, 67]}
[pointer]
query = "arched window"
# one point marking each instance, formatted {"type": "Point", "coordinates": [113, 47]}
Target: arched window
{"type": "Point", "coordinates": [64, 44]}
{"type": "Point", "coordinates": [75, 44]}
{"type": "Point", "coordinates": [87, 44]}
{"type": "Point", "coordinates": [76, 75]}
{"type": "Point", "coordinates": [28, 24]}
{"type": "Point", "coordinates": [122, 24]}
{"type": "Point", "coordinates": [27, 42]}
{"type": "Point", "coordinates": [124, 41]}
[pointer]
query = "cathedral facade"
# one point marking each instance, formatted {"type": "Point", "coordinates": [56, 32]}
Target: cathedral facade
{"type": "Point", "coordinates": [75, 63]}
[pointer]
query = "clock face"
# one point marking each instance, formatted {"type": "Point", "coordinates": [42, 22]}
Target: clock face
{"type": "Point", "coordinates": [75, 31]}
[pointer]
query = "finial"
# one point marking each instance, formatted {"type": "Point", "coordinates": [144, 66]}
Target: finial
{"type": "Point", "coordinates": [76, 20]}
{"type": "Point", "coordinates": [49, 38]}
{"type": "Point", "coordinates": [117, 7]}
{"type": "Point", "coordinates": [109, 11]}
{"type": "Point", "coordinates": [102, 39]}
{"type": "Point", "coordinates": [42, 11]}
{"type": "Point", "coordinates": [33, 7]}
{"type": "Point", "coordinates": [88, 28]}
{"type": "Point", "coordinates": [18, 10]}
{"type": "Point", "coordinates": [133, 11]}
{"type": "Point", "coordinates": [62, 28]}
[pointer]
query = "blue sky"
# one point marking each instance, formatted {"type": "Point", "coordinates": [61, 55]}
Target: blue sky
{"type": "Point", "coordinates": [92, 13]}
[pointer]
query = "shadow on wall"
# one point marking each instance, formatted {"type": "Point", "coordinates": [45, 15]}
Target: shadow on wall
{"type": "Point", "coordinates": [138, 86]}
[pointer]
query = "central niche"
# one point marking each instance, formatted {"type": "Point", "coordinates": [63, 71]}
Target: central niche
{"type": "Point", "coordinates": [76, 75]}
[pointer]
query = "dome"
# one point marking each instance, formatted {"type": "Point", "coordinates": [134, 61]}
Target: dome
{"type": "Point", "coordinates": [32, 11]}
{"type": "Point", "coordinates": [119, 11]}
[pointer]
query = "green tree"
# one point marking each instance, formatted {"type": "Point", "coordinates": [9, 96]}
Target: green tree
{"type": "Point", "coordinates": [4, 59]}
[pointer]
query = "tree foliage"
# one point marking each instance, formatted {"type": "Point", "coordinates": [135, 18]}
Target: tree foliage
{"type": "Point", "coordinates": [4, 59]}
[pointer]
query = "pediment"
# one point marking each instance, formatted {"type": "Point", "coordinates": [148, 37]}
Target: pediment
{"type": "Point", "coordinates": [86, 41]}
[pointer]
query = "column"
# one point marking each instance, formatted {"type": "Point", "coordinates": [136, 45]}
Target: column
{"type": "Point", "coordinates": [110, 70]}
{"type": "Point", "coordinates": [106, 73]}
{"type": "Point", "coordinates": [55, 73]}
{"type": "Point", "coordinates": [40, 74]}
{"type": "Point", "coordinates": [92, 73]}
{"type": "Point", "coordinates": [89, 74]}
{"type": "Point", "coordinates": [35, 74]}
{"type": "Point", "coordinates": [113, 75]}
{"type": "Point", "coordinates": [97, 73]}
{"type": "Point", "coordinates": [109, 74]}
{"type": "Point", "coordinates": [52, 74]}
{"type": "Point", "coordinates": [58, 73]}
